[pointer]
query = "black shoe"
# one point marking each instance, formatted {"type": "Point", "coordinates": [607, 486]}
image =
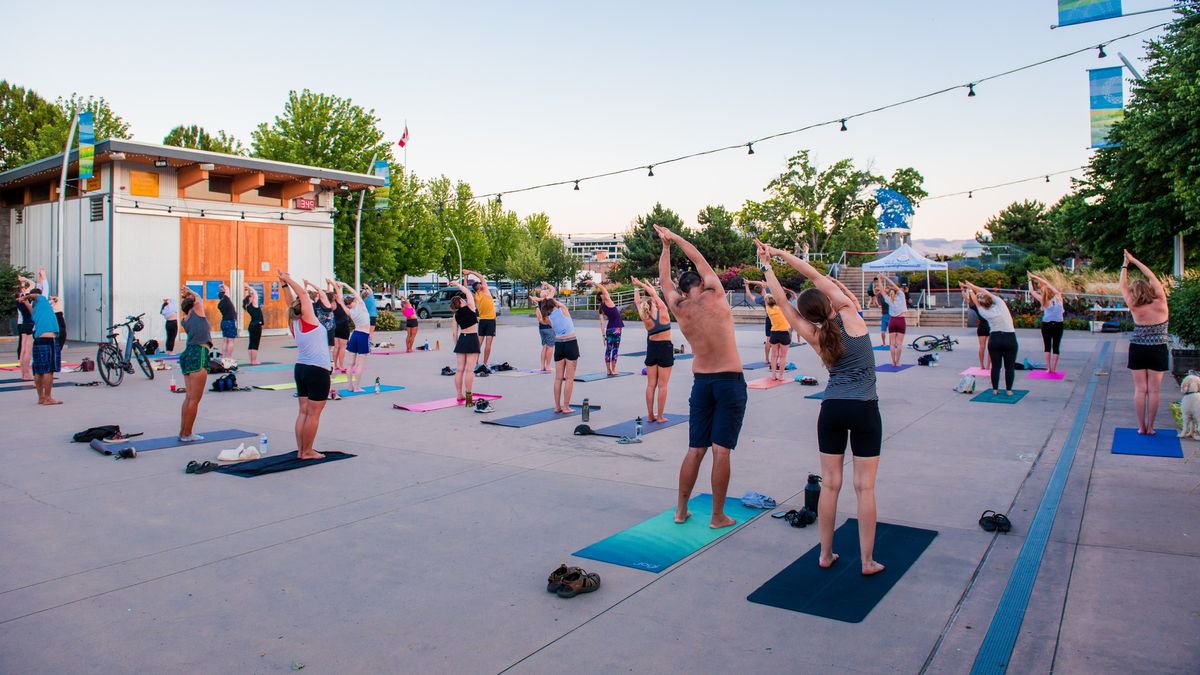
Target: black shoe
{"type": "Point", "coordinates": [447, 370]}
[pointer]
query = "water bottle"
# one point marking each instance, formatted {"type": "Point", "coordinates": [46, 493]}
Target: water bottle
{"type": "Point", "coordinates": [812, 492]}
{"type": "Point", "coordinates": [172, 383]}
{"type": "Point", "coordinates": [425, 346]}
{"type": "Point", "coordinates": [262, 445]}
{"type": "Point", "coordinates": [377, 385]}
{"type": "Point", "coordinates": [637, 432]}
{"type": "Point", "coordinates": [587, 411]}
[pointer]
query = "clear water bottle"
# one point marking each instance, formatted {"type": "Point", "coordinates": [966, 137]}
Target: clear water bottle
{"type": "Point", "coordinates": [377, 385]}
{"type": "Point", "coordinates": [637, 432]}
{"type": "Point", "coordinates": [587, 411]}
{"type": "Point", "coordinates": [262, 446]}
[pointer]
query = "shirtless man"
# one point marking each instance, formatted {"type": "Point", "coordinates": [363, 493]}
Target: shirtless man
{"type": "Point", "coordinates": [718, 400]}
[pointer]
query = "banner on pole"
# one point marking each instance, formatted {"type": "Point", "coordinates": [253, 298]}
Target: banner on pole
{"type": "Point", "coordinates": [384, 171]}
{"type": "Point", "coordinates": [1106, 87]}
{"type": "Point", "coordinates": [1071, 12]}
{"type": "Point", "coordinates": [87, 145]}
{"type": "Point", "coordinates": [896, 211]}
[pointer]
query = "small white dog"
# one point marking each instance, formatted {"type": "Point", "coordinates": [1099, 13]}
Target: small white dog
{"type": "Point", "coordinates": [1190, 406]}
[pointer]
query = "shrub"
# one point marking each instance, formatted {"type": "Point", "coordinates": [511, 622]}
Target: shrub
{"type": "Point", "coordinates": [1185, 311]}
{"type": "Point", "coordinates": [388, 321]}
{"type": "Point", "coordinates": [8, 286]}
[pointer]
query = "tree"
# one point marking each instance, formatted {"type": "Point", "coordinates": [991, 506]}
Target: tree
{"type": "Point", "coordinates": [418, 246]}
{"type": "Point", "coordinates": [22, 114]}
{"type": "Point", "coordinates": [501, 229]}
{"type": "Point", "coordinates": [722, 245]}
{"type": "Point", "coordinates": [1024, 224]}
{"type": "Point", "coordinates": [642, 247]}
{"type": "Point", "coordinates": [194, 136]}
{"type": "Point", "coordinates": [455, 211]}
{"type": "Point", "coordinates": [524, 262]}
{"type": "Point", "coordinates": [560, 264]}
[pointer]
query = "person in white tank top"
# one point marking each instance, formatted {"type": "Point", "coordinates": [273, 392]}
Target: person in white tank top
{"type": "Point", "coordinates": [313, 366]}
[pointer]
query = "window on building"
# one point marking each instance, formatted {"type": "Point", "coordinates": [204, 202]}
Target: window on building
{"type": "Point", "coordinates": [96, 208]}
{"type": "Point", "coordinates": [20, 216]}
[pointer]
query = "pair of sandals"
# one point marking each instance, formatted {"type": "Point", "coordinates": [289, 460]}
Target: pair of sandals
{"type": "Point", "coordinates": [802, 518]}
{"type": "Point", "coordinates": [448, 371]}
{"type": "Point", "coordinates": [200, 467]}
{"type": "Point", "coordinates": [567, 582]}
{"type": "Point", "coordinates": [991, 521]}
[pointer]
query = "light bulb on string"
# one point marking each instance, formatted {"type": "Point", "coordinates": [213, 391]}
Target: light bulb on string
{"type": "Point", "coordinates": [577, 185]}
{"type": "Point", "coordinates": [1100, 52]}
{"type": "Point", "coordinates": [499, 200]}
{"type": "Point", "coordinates": [651, 174]}
{"type": "Point", "coordinates": [970, 195]}
{"type": "Point", "coordinates": [971, 89]}
{"type": "Point", "coordinates": [1047, 179]}
{"type": "Point", "coordinates": [843, 124]}
{"type": "Point", "coordinates": [750, 147]}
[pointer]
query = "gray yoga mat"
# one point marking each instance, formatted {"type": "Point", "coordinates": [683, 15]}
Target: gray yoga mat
{"type": "Point", "coordinates": [629, 427]}
{"type": "Point", "coordinates": [536, 417]}
{"type": "Point", "coordinates": [594, 377]}
{"type": "Point", "coordinates": [145, 445]}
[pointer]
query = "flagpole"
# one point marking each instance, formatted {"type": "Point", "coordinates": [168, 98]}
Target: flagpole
{"type": "Point", "coordinates": [62, 198]}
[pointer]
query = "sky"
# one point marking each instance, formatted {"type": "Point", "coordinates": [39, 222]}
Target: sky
{"type": "Point", "coordinates": [506, 95]}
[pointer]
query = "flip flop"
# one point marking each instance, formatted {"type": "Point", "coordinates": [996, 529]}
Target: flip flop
{"type": "Point", "coordinates": [205, 467]}
{"type": "Point", "coordinates": [1003, 524]}
{"type": "Point", "coordinates": [783, 514]}
{"type": "Point", "coordinates": [625, 440]}
{"type": "Point", "coordinates": [988, 522]}
{"type": "Point", "coordinates": [191, 467]}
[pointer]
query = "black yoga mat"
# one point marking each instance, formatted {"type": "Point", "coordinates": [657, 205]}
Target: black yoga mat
{"type": "Point", "coordinates": [536, 417]}
{"type": "Point", "coordinates": [842, 593]}
{"type": "Point", "coordinates": [277, 463]}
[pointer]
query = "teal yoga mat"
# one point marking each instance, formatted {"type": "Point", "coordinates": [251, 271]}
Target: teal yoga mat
{"type": "Point", "coordinates": [656, 544]}
{"type": "Point", "coordinates": [596, 377]}
{"type": "Point", "coordinates": [369, 390]}
{"type": "Point", "coordinates": [986, 396]}
{"type": "Point", "coordinates": [754, 365]}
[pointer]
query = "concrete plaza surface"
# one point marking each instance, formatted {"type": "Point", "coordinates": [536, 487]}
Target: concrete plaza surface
{"type": "Point", "coordinates": [428, 552]}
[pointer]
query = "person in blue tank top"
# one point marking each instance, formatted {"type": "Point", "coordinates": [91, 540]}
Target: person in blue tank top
{"type": "Point", "coordinates": [1051, 300]}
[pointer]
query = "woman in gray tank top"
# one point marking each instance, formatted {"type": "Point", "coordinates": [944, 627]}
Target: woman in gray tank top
{"type": "Point", "coordinates": [829, 321]}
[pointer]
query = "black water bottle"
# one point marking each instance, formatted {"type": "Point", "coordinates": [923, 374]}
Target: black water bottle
{"type": "Point", "coordinates": [812, 492]}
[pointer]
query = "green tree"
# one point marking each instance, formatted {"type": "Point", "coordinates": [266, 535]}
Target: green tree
{"type": "Point", "coordinates": [524, 262]}
{"type": "Point", "coordinates": [50, 125]}
{"type": "Point", "coordinates": [501, 229]}
{"type": "Point", "coordinates": [418, 245]}
{"type": "Point", "coordinates": [455, 211]}
{"type": "Point", "coordinates": [642, 247]}
{"type": "Point", "coordinates": [22, 114]}
{"type": "Point", "coordinates": [559, 263]}
{"type": "Point", "coordinates": [1024, 224]}
{"type": "Point", "coordinates": [196, 137]}
{"type": "Point", "coordinates": [721, 243]}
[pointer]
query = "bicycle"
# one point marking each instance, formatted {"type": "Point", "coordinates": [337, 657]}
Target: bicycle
{"type": "Point", "coordinates": [928, 343]}
{"type": "Point", "coordinates": [112, 363]}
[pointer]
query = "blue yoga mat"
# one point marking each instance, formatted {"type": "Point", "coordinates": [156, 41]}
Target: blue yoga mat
{"type": "Point", "coordinates": [820, 395]}
{"type": "Point", "coordinates": [536, 417]}
{"type": "Point", "coordinates": [1164, 443]}
{"type": "Point", "coordinates": [278, 463]}
{"type": "Point", "coordinates": [266, 368]}
{"type": "Point", "coordinates": [986, 396]}
{"type": "Point", "coordinates": [656, 544]}
{"type": "Point", "coordinates": [19, 387]}
{"type": "Point", "coordinates": [369, 389]}
{"type": "Point", "coordinates": [889, 368]}
{"type": "Point", "coordinates": [754, 365]}
{"type": "Point", "coordinates": [634, 354]}
{"type": "Point", "coordinates": [595, 377]}
{"type": "Point", "coordinates": [629, 427]}
{"type": "Point", "coordinates": [145, 445]}
{"type": "Point", "coordinates": [841, 592]}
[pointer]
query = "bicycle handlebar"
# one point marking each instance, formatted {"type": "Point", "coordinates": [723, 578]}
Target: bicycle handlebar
{"type": "Point", "coordinates": [129, 320]}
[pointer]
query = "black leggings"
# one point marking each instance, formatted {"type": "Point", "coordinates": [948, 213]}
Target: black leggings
{"type": "Point", "coordinates": [1002, 347]}
{"type": "Point", "coordinates": [859, 420]}
{"type": "Point", "coordinates": [1052, 332]}
{"type": "Point", "coordinates": [172, 331]}
{"type": "Point", "coordinates": [255, 335]}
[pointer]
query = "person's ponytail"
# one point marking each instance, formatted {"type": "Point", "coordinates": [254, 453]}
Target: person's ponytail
{"type": "Point", "coordinates": [815, 307]}
{"type": "Point", "coordinates": [830, 339]}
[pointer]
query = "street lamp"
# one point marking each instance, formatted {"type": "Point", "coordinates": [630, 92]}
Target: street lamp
{"type": "Point", "coordinates": [455, 240]}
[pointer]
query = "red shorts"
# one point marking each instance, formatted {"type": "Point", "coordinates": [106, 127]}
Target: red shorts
{"type": "Point", "coordinates": [897, 325]}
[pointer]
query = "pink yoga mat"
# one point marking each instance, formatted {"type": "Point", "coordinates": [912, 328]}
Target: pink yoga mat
{"type": "Point", "coordinates": [765, 383]}
{"type": "Point", "coordinates": [980, 372]}
{"type": "Point", "coordinates": [430, 406]}
{"type": "Point", "coordinates": [1046, 375]}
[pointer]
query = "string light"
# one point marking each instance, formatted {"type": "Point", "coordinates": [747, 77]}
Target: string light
{"type": "Point", "coordinates": [750, 147]}
{"type": "Point", "coordinates": [1047, 179]}
{"type": "Point", "coordinates": [971, 89]}
{"type": "Point", "coordinates": [1100, 54]}
{"type": "Point", "coordinates": [651, 174]}
{"type": "Point", "coordinates": [843, 124]}
{"type": "Point", "coordinates": [576, 185]}
{"type": "Point", "coordinates": [970, 193]}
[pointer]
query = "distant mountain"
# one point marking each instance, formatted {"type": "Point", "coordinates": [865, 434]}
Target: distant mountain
{"type": "Point", "coordinates": [940, 246]}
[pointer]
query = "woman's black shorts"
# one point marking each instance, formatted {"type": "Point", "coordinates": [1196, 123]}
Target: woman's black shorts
{"type": "Point", "coordinates": [468, 343]}
{"type": "Point", "coordinates": [341, 330]}
{"type": "Point", "coordinates": [859, 420]}
{"type": "Point", "coordinates": [410, 323]}
{"type": "Point", "coordinates": [1149, 357]}
{"type": "Point", "coordinates": [312, 382]}
{"type": "Point", "coordinates": [984, 328]}
{"type": "Point", "coordinates": [781, 337]}
{"type": "Point", "coordinates": [566, 350]}
{"type": "Point", "coordinates": [660, 353]}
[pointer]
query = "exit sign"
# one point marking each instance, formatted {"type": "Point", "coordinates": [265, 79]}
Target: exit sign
{"type": "Point", "coordinates": [306, 204]}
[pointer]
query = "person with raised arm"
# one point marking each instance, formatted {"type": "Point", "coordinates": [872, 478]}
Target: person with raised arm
{"type": "Point", "coordinates": [25, 328]}
{"type": "Point", "coordinates": [1002, 340]}
{"type": "Point", "coordinates": [660, 351]}
{"type": "Point", "coordinates": [761, 301]}
{"type": "Point", "coordinates": [193, 362]}
{"type": "Point", "coordinates": [828, 320]}
{"type": "Point", "coordinates": [410, 322]}
{"type": "Point", "coordinates": [611, 326]}
{"type": "Point", "coordinates": [486, 305]}
{"type": "Point", "coordinates": [368, 297]}
{"type": "Point", "coordinates": [566, 352]}
{"type": "Point", "coordinates": [983, 330]}
{"type": "Point", "coordinates": [1148, 354]}
{"type": "Point", "coordinates": [170, 314]}
{"type": "Point", "coordinates": [545, 330]}
{"type": "Point", "coordinates": [897, 305]}
{"type": "Point", "coordinates": [1051, 300]}
{"type": "Point", "coordinates": [718, 401]}
{"type": "Point", "coordinates": [313, 364]}
{"type": "Point", "coordinates": [229, 327]}
{"type": "Point", "coordinates": [253, 306]}
{"type": "Point", "coordinates": [878, 293]}
{"type": "Point", "coordinates": [465, 333]}
{"type": "Point", "coordinates": [341, 325]}
{"type": "Point", "coordinates": [359, 344]}
{"type": "Point", "coordinates": [46, 353]}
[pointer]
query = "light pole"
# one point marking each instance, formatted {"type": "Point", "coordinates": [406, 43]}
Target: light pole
{"type": "Point", "coordinates": [358, 234]}
{"type": "Point", "coordinates": [455, 240]}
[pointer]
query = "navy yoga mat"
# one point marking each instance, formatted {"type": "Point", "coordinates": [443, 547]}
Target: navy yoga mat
{"type": "Point", "coordinates": [629, 427]}
{"type": "Point", "coordinates": [889, 368]}
{"type": "Point", "coordinates": [841, 592]}
{"type": "Point", "coordinates": [678, 357]}
{"type": "Point", "coordinates": [20, 387]}
{"type": "Point", "coordinates": [536, 417]}
{"type": "Point", "coordinates": [278, 463]}
{"type": "Point", "coordinates": [595, 377]}
{"type": "Point", "coordinates": [145, 445]}
{"type": "Point", "coordinates": [1164, 443]}
{"type": "Point", "coordinates": [986, 396]}
{"type": "Point", "coordinates": [754, 365]}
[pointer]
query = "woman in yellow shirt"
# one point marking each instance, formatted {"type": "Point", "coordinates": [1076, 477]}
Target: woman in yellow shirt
{"type": "Point", "coordinates": [781, 338]}
{"type": "Point", "coordinates": [487, 317]}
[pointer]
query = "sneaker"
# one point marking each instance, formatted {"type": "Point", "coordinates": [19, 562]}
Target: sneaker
{"type": "Point", "coordinates": [482, 373]}
{"type": "Point", "coordinates": [484, 406]}
{"type": "Point", "coordinates": [447, 370]}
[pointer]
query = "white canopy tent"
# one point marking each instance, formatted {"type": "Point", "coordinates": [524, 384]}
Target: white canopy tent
{"type": "Point", "coordinates": [905, 259]}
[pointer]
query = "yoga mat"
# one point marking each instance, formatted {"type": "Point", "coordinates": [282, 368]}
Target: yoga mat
{"type": "Point", "coordinates": [277, 463]}
{"type": "Point", "coordinates": [595, 377]}
{"type": "Point", "coordinates": [820, 395]}
{"type": "Point", "coordinates": [18, 364]}
{"type": "Point", "coordinates": [392, 352]}
{"type": "Point", "coordinates": [978, 372]}
{"type": "Point", "coordinates": [629, 427]}
{"type": "Point", "coordinates": [1046, 375]}
{"type": "Point", "coordinates": [536, 417]}
{"type": "Point", "coordinates": [336, 379]}
{"type": "Point", "coordinates": [26, 387]}
{"type": "Point", "coordinates": [518, 373]}
{"type": "Point", "coordinates": [164, 357]}
{"type": "Point", "coordinates": [656, 544]}
{"type": "Point", "coordinates": [881, 348]}
{"type": "Point", "coordinates": [889, 368]}
{"type": "Point", "coordinates": [986, 396]}
{"type": "Point", "coordinates": [441, 404]}
{"type": "Point", "coordinates": [369, 389]}
{"type": "Point", "coordinates": [266, 368]}
{"type": "Point", "coordinates": [1164, 443]}
{"type": "Point", "coordinates": [754, 365]}
{"type": "Point", "coordinates": [841, 592]}
{"type": "Point", "coordinates": [625, 354]}
{"type": "Point", "coordinates": [766, 383]}
{"type": "Point", "coordinates": [16, 380]}
{"type": "Point", "coordinates": [797, 344]}
{"type": "Point", "coordinates": [148, 444]}
{"type": "Point", "coordinates": [678, 357]}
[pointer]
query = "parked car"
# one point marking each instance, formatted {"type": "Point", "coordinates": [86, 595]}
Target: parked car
{"type": "Point", "coordinates": [437, 303]}
{"type": "Point", "coordinates": [417, 297]}
{"type": "Point", "coordinates": [385, 301]}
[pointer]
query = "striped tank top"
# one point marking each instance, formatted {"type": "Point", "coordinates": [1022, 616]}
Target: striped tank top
{"type": "Point", "coordinates": [1150, 335]}
{"type": "Point", "coordinates": [853, 376]}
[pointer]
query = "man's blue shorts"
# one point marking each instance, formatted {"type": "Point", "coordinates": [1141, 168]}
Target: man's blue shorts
{"type": "Point", "coordinates": [883, 321]}
{"type": "Point", "coordinates": [228, 329]}
{"type": "Point", "coordinates": [716, 409]}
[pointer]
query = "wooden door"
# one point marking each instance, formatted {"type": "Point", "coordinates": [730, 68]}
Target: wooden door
{"type": "Point", "coordinates": [208, 254]}
{"type": "Point", "coordinates": [262, 251]}
{"type": "Point", "coordinates": [216, 251]}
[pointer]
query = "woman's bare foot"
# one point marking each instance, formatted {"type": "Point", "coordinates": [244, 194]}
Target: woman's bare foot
{"type": "Point", "coordinates": [995, 392]}
{"type": "Point", "coordinates": [312, 454]}
{"type": "Point", "coordinates": [871, 567]}
{"type": "Point", "coordinates": [50, 401]}
{"type": "Point", "coordinates": [825, 563]}
{"type": "Point", "coordinates": [681, 520]}
{"type": "Point", "coordinates": [661, 419]}
{"type": "Point", "coordinates": [1008, 392]}
{"type": "Point", "coordinates": [723, 521]}
{"type": "Point", "coordinates": [1149, 432]}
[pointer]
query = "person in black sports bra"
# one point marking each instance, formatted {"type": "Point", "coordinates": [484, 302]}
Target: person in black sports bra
{"type": "Point", "coordinates": [466, 341]}
{"type": "Point", "coordinates": [660, 351]}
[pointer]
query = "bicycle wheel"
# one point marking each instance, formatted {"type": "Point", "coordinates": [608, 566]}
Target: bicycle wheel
{"type": "Point", "coordinates": [139, 353]}
{"type": "Point", "coordinates": [110, 365]}
{"type": "Point", "coordinates": [925, 343]}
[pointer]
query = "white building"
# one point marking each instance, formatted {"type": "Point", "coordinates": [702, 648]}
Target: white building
{"type": "Point", "coordinates": [595, 248]}
{"type": "Point", "coordinates": [155, 218]}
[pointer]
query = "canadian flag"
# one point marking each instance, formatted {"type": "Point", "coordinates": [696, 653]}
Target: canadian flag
{"type": "Point", "coordinates": [404, 139]}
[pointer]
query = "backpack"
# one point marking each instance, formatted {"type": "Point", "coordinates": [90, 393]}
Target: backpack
{"type": "Point", "coordinates": [97, 433]}
{"type": "Point", "coordinates": [927, 360]}
{"type": "Point", "coordinates": [966, 385]}
{"type": "Point", "coordinates": [227, 382]}
{"type": "Point", "coordinates": [86, 365]}
{"type": "Point", "coordinates": [151, 347]}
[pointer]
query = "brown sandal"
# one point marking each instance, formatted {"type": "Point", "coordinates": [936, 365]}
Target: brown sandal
{"type": "Point", "coordinates": [556, 577]}
{"type": "Point", "coordinates": [578, 581]}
